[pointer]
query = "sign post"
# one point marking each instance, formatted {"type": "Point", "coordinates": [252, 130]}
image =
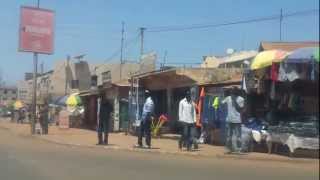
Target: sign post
{"type": "Point", "coordinates": [36, 35]}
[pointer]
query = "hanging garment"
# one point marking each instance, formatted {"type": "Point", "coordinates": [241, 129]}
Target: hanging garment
{"type": "Point", "coordinates": [292, 71]}
{"type": "Point", "coordinates": [199, 107]}
{"type": "Point", "coordinates": [273, 90]}
{"type": "Point", "coordinates": [207, 110]}
{"type": "Point", "coordinates": [274, 72]}
{"type": "Point", "coordinates": [216, 103]}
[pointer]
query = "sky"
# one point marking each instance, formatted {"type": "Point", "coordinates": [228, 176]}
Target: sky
{"type": "Point", "coordinates": [93, 27]}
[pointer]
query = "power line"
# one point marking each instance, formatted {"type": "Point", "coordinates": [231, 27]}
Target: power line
{"type": "Point", "coordinates": [253, 20]}
{"type": "Point", "coordinates": [118, 51]}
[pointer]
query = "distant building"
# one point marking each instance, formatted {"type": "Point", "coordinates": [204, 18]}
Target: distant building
{"type": "Point", "coordinates": [237, 59]}
{"type": "Point", "coordinates": [210, 62]}
{"type": "Point", "coordinates": [234, 60]}
{"type": "Point", "coordinates": [67, 77]}
{"type": "Point", "coordinates": [8, 95]}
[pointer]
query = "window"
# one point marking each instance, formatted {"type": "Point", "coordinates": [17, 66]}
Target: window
{"type": "Point", "coordinates": [106, 77]}
{"type": "Point", "coordinates": [94, 80]}
{"type": "Point", "coordinates": [5, 91]}
{"type": "Point", "coordinates": [74, 84]}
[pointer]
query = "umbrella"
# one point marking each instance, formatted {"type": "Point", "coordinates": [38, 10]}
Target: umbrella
{"type": "Point", "coordinates": [61, 101]}
{"type": "Point", "coordinates": [74, 100]}
{"type": "Point", "coordinates": [18, 105]}
{"type": "Point", "coordinates": [304, 55]}
{"type": "Point", "coordinates": [266, 58]}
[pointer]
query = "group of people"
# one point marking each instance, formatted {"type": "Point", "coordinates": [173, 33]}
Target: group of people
{"type": "Point", "coordinates": [187, 119]}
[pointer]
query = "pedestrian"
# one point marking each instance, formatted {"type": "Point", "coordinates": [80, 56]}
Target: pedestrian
{"type": "Point", "coordinates": [21, 116]}
{"type": "Point", "coordinates": [104, 111]}
{"type": "Point", "coordinates": [235, 106]}
{"type": "Point", "coordinates": [146, 120]}
{"type": "Point", "coordinates": [44, 117]}
{"type": "Point", "coordinates": [187, 118]}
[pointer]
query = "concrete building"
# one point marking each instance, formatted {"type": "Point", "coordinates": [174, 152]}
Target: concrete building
{"type": "Point", "coordinates": [66, 77]}
{"type": "Point", "coordinates": [168, 87]}
{"type": "Point", "coordinates": [8, 95]}
{"type": "Point", "coordinates": [234, 60]}
{"type": "Point", "coordinates": [25, 91]}
{"type": "Point", "coordinates": [69, 77]}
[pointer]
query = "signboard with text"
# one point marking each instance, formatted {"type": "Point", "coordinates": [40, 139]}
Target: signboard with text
{"type": "Point", "coordinates": [36, 30]}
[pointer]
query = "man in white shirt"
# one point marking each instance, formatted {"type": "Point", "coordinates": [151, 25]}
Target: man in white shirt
{"type": "Point", "coordinates": [235, 105]}
{"type": "Point", "coordinates": [146, 118]}
{"type": "Point", "coordinates": [187, 118]}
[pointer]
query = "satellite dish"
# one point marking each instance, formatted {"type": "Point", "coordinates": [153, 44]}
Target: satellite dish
{"type": "Point", "coordinates": [230, 51]}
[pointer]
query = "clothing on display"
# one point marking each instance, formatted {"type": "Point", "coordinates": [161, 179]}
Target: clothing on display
{"type": "Point", "coordinates": [293, 71]}
{"type": "Point", "coordinates": [298, 128]}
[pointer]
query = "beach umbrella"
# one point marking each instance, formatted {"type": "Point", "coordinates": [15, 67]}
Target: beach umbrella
{"type": "Point", "coordinates": [74, 100]}
{"type": "Point", "coordinates": [266, 58]}
{"type": "Point", "coordinates": [303, 55]}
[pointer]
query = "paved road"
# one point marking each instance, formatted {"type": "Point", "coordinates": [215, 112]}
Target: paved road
{"type": "Point", "coordinates": [32, 159]}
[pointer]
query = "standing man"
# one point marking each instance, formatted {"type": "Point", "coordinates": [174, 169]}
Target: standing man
{"type": "Point", "coordinates": [187, 117]}
{"type": "Point", "coordinates": [43, 117]}
{"type": "Point", "coordinates": [146, 118]}
{"type": "Point", "coordinates": [104, 111]}
{"type": "Point", "coordinates": [235, 105]}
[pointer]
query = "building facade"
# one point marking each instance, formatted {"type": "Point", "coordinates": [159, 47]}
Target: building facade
{"type": "Point", "coordinates": [8, 95]}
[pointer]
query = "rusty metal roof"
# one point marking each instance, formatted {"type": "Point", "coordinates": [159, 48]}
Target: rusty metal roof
{"type": "Point", "coordinates": [287, 46]}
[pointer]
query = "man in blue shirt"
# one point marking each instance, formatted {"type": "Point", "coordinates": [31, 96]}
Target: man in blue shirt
{"type": "Point", "coordinates": [146, 118]}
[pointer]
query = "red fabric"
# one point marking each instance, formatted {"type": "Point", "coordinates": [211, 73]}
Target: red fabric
{"type": "Point", "coordinates": [274, 72]}
{"type": "Point", "coordinates": [199, 107]}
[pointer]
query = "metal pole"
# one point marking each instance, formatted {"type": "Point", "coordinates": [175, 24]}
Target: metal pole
{"type": "Point", "coordinates": [34, 96]}
{"type": "Point", "coordinates": [121, 53]}
{"type": "Point", "coordinates": [280, 29]}
{"type": "Point", "coordinates": [142, 29]}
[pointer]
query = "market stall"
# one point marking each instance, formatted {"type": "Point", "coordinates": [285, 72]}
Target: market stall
{"type": "Point", "coordinates": [287, 112]}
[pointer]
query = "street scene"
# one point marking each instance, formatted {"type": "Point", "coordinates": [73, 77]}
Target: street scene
{"type": "Point", "coordinates": [159, 90]}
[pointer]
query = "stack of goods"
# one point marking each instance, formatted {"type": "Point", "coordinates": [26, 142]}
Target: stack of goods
{"type": "Point", "coordinates": [302, 127]}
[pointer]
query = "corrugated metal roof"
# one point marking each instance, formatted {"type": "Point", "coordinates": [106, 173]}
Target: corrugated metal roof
{"type": "Point", "coordinates": [287, 46]}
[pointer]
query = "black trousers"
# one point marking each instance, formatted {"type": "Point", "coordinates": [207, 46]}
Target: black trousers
{"type": "Point", "coordinates": [103, 132]}
{"type": "Point", "coordinates": [145, 130]}
{"type": "Point", "coordinates": [188, 135]}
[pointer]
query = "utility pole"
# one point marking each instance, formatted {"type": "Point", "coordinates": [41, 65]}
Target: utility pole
{"type": "Point", "coordinates": [142, 29]}
{"type": "Point", "coordinates": [66, 72]}
{"type": "Point", "coordinates": [164, 58]}
{"type": "Point", "coordinates": [42, 67]}
{"type": "Point", "coordinates": [280, 28]}
{"type": "Point", "coordinates": [121, 52]}
{"type": "Point", "coordinates": [34, 94]}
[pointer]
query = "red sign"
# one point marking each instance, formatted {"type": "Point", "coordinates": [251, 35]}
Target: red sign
{"type": "Point", "coordinates": [36, 30]}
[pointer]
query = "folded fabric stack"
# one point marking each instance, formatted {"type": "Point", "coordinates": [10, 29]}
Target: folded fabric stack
{"type": "Point", "coordinates": [298, 128]}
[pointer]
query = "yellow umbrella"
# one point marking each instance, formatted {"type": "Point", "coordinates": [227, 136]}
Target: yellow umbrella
{"type": "Point", "coordinates": [266, 58]}
{"type": "Point", "coordinates": [73, 100]}
{"type": "Point", "coordinates": [18, 104]}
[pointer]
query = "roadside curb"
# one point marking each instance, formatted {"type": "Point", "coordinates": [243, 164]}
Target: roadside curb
{"type": "Point", "coordinates": [180, 153]}
{"type": "Point", "coordinates": [183, 153]}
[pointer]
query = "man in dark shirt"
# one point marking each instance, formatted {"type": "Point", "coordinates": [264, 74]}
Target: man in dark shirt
{"type": "Point", "coordinates": [103, 122]}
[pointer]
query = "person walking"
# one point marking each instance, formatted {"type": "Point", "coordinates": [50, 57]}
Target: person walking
{"type": "Point", "coordinates": [104, 111]}
{"type": "Point", "coordinates": [43, 118]}
{"type": "Point", "coordinates": [187, 118]}
{"type": "Point", "coordinates": [235, 106]}
{"type": "Point", "coordinates": [146, 120]}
